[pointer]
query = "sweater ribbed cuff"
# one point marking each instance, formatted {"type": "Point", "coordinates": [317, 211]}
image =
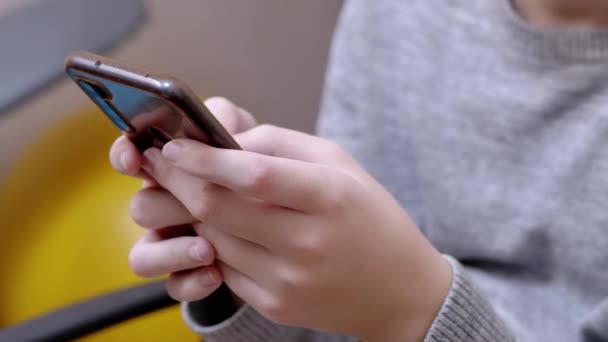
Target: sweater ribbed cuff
{"type": "Point", "coordinates": [465, 315]}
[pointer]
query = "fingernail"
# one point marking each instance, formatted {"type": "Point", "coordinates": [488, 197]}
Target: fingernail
{"type": "Point", "coordinates": [151, 154]}
{"type": "Point", "coordinates": [123, 161]}
{"type": "Point", "coordinates": [198, 253]}
{"type": "Point", "coordinates": [172, 150]}
{"type": "Point", "coordinates": [150, 157]}
{"type": "Point", "coordinates": [209, 278]}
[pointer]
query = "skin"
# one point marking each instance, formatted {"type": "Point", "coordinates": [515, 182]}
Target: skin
{"type": "Point", "coordinates": [564, 13]}
{"type": "Point", "coordinates": [293, 225]}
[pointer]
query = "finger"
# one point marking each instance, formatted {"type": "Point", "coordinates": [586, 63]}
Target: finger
{"type": "Point", "coordinates": [289, 183]}
{"type": "Point", "coordinates": [124, 157]}
{"type": "Point", "coordinates": [156, 258]}
{"type": "Point", "coordinates": [156, 208]}
{"type": "Point", "coordinates": [232, 117]}
{"type": "Point", "coordinates": [245, 256]}
{"type": "Point", "coordinates": [243, 286]}
{"type": "Point", "coordinates": [286, 143]}
{"type": "Point", "coordinates": [244, 217]}
{"type": "Point", "coordinates": [196, 284]}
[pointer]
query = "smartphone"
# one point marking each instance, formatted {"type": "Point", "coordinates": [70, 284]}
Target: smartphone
{"type": "Point", "coordinates": [149, 108]}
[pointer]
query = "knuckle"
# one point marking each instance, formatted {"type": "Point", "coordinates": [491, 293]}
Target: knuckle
{"type": "Point", "coordinates": [335, 201]}
{"type": "Point", "coordinates": [310, 248]}
{"type": "Point", "coordinates": [341, 195]}
{"type": "Point", "coordinates": [176, 289]}
{"type": "Point", "coordinates": [261, 136]}
{"type": "Point", "coordinates": [203, 206]}
{"type": "Point", "coordinates": [337, 153]}
{"type": "Point", "coordinates": [220, 104]}
{"type": "Point", "coordinates": [333, 148]}
{"type": "Point", "coordinates": [259, 177]}
{"type": "Point", "coordinates": [261, 133]}
{"type": "Point", "coordinates": [290, 281]}
{"type": "Point", "coordinates": [266, 129]}
{"type": "Point", "coordinates": [275, 309]}
{"type": "Point", "coordinates": [295, 281]}
{"type": "Point", "coordinates": [138, 210]}
{"type": "Point", "coordinates": [224, 110]}
{"type": "Point", "coordinates": [186, 287]}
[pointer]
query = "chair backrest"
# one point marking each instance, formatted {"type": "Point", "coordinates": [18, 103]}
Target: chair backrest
{"type": "Point", "coordinates": [35, 37]}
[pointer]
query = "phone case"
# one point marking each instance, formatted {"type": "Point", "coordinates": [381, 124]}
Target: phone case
{"type": "Point", "coordinates": [150, 108]}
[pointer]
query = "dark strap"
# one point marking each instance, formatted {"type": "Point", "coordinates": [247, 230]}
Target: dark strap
{"type": "Point", "coordinates": [92, 315]}
{"type": "Point", "coordinates": [216, 308]}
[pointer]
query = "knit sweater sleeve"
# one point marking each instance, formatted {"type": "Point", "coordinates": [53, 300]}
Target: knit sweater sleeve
{"type": "Point", "coordinates": [465, 315]}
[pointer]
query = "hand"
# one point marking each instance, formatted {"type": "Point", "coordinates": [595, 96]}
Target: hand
{"type": "Point", "coordinates": [171, 246]}
{"type": "Point", "coordinates": [304, 235]}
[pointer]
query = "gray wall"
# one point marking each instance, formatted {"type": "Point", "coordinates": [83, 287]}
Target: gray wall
{"type": "Point", "coordinates": [266, 55]}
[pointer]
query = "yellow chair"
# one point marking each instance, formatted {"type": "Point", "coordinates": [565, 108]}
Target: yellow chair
{"type": "Point", "coordinates": [65, 231]}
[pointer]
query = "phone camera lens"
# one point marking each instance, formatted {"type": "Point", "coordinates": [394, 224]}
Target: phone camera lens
{"type": "Point", "coordinates": [100, 91]}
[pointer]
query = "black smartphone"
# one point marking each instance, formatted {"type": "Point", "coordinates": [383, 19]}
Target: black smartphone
{"type": "Point", "coordinates": [149, 108]}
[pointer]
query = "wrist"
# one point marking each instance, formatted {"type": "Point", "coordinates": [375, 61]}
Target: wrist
{"type": "Point", "coordinates": [415, 317]}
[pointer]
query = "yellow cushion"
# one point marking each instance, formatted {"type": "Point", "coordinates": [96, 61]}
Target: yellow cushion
{"type": "Point", "coordinates": [65, 231]}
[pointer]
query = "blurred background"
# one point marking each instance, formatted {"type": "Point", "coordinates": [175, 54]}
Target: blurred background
{"type": "Point", "coordinates": [65, 231]}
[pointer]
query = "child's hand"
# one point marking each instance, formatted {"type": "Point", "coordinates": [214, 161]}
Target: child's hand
{"type": "Point", "coordinates": [304, 235]}
{"type": "Point", "coordinates": [170, 246]}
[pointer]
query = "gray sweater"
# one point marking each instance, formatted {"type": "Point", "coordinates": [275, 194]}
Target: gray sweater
{"type": "Point", "coordinates": [494, 136]}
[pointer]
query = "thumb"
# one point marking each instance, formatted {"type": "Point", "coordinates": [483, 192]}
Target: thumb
{"type": "Point", "coordinates": [232, 117]}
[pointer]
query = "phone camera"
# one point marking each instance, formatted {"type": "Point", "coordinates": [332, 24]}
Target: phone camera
{"type": "Point", "coordinates": [99, 90]}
